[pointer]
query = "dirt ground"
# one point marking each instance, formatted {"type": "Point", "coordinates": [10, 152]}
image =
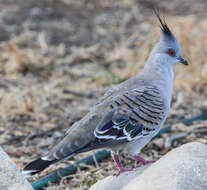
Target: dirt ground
{"type": "Point", "coordinates": [57, 58]}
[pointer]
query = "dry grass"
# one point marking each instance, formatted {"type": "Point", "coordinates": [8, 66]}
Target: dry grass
{"type": "Point", "coordinates": [43, 81]}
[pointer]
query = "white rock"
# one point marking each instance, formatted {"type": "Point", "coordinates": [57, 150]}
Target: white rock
{"type": "Point", "coordinates": [116, 183]}
{"type": "Point", "coordinates": [184, 168]}
{"type": "Point", "coordinates": [10, 176]}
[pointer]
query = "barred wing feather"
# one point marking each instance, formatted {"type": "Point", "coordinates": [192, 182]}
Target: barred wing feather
{"type": "Point", "coordinates": [132, 115]}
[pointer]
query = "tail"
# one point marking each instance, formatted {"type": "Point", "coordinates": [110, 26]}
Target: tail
{"type": "Point", "coordinates": [61, 151]}
{"type": "Point", "coordinates": [37, 166]}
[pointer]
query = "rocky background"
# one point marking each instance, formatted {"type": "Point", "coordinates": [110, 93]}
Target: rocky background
{"type": "Point", "coordinates": [57, 58]}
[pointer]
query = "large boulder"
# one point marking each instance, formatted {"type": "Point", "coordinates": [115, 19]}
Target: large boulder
{"type": "Point", "coordinates": [180, 169]}
{"type": "Point", "coordinates": [117, 183]}
{"type": "Point", "coordinates": [10, 176]}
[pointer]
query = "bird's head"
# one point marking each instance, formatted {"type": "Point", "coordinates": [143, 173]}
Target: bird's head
{"type": "Point", "coordinates": [168, 46]}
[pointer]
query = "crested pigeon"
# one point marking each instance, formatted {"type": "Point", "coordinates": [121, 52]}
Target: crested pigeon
{"type": "Point", "coordinates": [129, 115]}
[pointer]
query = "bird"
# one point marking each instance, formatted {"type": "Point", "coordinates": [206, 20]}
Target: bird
{"type": "Point", "coordinates": [129, 115]}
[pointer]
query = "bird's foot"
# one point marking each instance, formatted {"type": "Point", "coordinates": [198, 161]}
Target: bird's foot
{"type": "Point", "coordinates": [142, 161]}
{"type": "Point", "coordinates": [122, 170]}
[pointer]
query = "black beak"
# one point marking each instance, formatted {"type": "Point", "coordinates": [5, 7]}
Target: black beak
{"type": "Point", "coordinates": [182, 60]}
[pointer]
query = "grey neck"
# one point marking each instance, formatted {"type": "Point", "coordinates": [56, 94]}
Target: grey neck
{"type": "Point", "coordinates": [159, 71]}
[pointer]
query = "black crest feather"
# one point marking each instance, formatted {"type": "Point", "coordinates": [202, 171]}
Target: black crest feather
{"type": "Point", "coordinates": [163, 26]}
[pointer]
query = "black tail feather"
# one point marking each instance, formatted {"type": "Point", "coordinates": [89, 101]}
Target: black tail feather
{"type": "Point", "coordinates": [37, 166]}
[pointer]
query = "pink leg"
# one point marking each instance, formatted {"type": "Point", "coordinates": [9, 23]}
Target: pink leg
{"type": "Point", "coordinates": [119, 165]}
{"type": "Point", "coordinates": [142, 161]}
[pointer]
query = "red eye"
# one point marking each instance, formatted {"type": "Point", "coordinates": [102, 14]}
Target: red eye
{"type": "Point", "coordinates": [171, 52]}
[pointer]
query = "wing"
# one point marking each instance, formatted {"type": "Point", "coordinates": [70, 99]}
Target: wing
{"type": "Point", "coordinates": [132, 115]}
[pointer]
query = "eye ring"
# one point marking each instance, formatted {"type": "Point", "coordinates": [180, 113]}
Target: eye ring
{"type": "Point", "coordinates": [171, 52]}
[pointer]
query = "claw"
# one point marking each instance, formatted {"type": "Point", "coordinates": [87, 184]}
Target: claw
{"type": "Point", "coordinates": [142, 161]}
{"type": "Point", "coordinates": [121, 169]}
